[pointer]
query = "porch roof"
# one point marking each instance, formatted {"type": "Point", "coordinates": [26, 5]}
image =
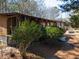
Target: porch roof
{"type": "Point", "coordinates": [21, 14]}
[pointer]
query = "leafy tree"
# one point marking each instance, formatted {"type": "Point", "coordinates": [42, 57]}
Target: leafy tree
{"type": "Point", "coordinates": [25, 33]}
{"type": "Point", "coordinates": [74, 21]}
{"type": "Point", "coordinates": [70, 5]}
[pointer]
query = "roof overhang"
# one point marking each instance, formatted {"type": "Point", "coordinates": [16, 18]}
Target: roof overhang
{"type": "Point", "coordinates": [21, 14]}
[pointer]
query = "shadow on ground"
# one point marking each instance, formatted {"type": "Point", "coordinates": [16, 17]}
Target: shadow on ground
{"type": "Point", "coordinates": [67, 47]}
{"type": "Point", "coordinates": [47, 51]}
{"type": "Point", "coordinates": [43, 50]}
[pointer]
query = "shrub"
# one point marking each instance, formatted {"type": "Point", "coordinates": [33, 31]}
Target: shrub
{"type": "Point", "coordinates": [44, 35]}
{"type": "Point", "coordinates": [54, 32]}
{"type": "Point", "coordinates": [25, 33]}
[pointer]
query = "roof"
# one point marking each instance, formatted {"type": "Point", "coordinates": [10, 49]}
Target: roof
{"type": "Point", "coordinates": [16, 13]}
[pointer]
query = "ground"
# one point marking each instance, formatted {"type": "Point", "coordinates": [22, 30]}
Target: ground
{"type": "Point", "coordinates": [9, 53]}
{"type": "Point", "coordinates": [69, 50]}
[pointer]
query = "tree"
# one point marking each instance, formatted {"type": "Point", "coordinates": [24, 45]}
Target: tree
{"type": "Point", "coordinates": [3, 5]}
{"type": "Point", "coordinates": [72, 5]}
{"type": "Point", "coordinates": [25, 34]}
{"type": "Point", "coordinates": [13, 7]}
{"type": "Point", "coordinates": [31, 7]}
{"type": "Point", "coordinates": [51, 13]}
{"type": "Point", "coordinates": [74, 21]}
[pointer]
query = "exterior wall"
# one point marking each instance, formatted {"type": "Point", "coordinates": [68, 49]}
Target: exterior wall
{"type": "Point", "coordinates": [3, 25]}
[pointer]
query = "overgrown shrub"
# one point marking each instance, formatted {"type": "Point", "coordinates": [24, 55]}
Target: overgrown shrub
{"type": "Point", "coordinates": [25, 33]}
{"type": "Point", "coordinates": [54, 32]}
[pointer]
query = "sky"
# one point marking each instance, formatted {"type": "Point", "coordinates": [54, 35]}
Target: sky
{"type": "Point", "coordinates": [52, 3]}
{"type": "Point", "coordinates": [55, 3]}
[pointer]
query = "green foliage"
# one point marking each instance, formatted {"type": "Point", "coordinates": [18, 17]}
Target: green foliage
{"type": "Point", "coordinates": [75, 21]}
{"type": "Point", "coordinates": [72, 5]}
{"type": "Point", "coordinates": [69, 5]}
{"type": "Point", "coordinates": [26, 32]}
{"type": "Point", "coordinates": [54, 32]}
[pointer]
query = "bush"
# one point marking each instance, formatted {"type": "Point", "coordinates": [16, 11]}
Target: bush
{"type": "Point", "coordinates": [44, 35]}
{"type": "Point", "coordinates": [54, 32]}
{"type": "Point", "coordinates": [25, 33]}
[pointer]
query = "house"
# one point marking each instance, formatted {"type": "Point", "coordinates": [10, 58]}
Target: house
{"type": "Point", "coordinates": [8, 21]}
